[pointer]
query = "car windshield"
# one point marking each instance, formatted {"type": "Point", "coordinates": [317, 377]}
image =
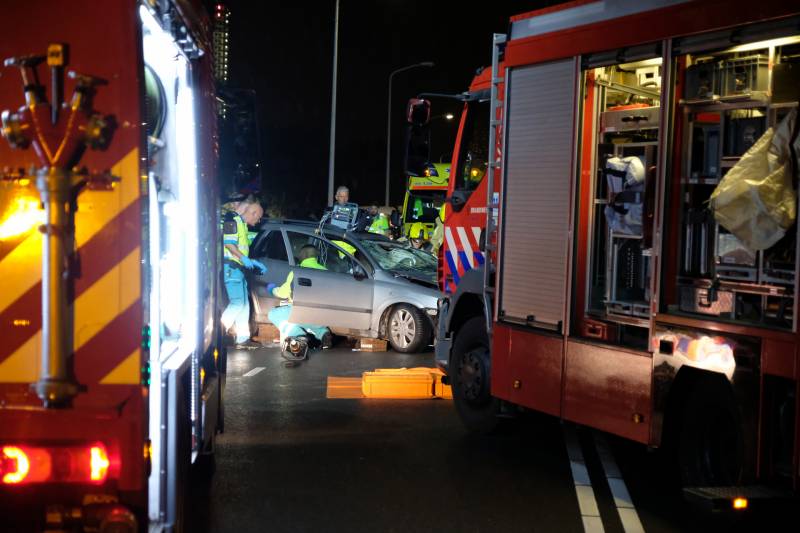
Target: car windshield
{"type": "Point", "coordinates": [400, 259]}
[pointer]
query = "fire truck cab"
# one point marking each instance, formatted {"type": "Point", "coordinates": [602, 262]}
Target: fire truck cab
{"type": "Point", "coordinates": [612, 295]}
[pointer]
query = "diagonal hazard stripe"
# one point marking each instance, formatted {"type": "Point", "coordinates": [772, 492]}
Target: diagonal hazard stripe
{"type": "Point", "coordinates": [117, 290]}
{"type": "Point", "coordinates": [98, 255]}
{"type": "Point", "coordinates": [20, 267]}
{"type": "Point", "coordinates": [94, 360]}
{"type": "Point", "coordinates": [128, 372]}
{"type": "Point", "coordinates": [23, 365]}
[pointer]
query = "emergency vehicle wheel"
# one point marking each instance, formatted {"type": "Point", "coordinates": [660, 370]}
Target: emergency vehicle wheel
{"type": "Point", "coordinates": [409, 329]}
{"type": "Point", "coordinates": [470, 376]}
{"type": "Point", "coordinates": [710, 444]}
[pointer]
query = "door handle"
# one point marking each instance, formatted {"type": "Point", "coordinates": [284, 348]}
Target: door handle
{"type": "Point", "coordinates": [305, 282]}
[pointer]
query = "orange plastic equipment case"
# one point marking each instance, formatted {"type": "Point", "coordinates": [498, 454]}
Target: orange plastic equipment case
{"type": "Point", "coordinates": [411, 383]}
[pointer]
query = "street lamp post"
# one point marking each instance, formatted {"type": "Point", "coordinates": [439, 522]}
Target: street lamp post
{"type": "Point", "coordinates": [389, 119]}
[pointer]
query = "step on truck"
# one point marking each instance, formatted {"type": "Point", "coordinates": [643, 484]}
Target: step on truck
{"type": "Point", "coordinates": [611, 294]}
{"type": "Point", "coordinates": [112, 367]}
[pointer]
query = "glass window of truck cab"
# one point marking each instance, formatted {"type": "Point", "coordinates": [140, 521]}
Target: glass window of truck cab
{"type": "Point", "coordinates": [619, 136]}
{"type": "Point", "coordinates": [728, 256]}
{"type": "Point", "coordinates": [473, 151]}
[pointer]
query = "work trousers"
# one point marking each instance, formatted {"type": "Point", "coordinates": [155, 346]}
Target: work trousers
{"type": "Point", "coordinates": [237, 314]}
{"type": "Point", "coordinates": [280, 317]}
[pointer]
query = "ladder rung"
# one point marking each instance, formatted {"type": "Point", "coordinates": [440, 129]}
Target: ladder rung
{"type": "Point", "coordinates": [498, 80]}
{"type": "Point", "coordinates": [494, 123]}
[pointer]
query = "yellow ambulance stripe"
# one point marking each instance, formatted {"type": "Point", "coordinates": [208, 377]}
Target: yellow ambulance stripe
{"type": "Point", "coordinates": [128, 372]}
{"type": "Point", "coordinates": [107, 298]}
{"type": "Point", "coordinates": [23, 365]}
{"type": "Point", "coordinates": [22, 268]}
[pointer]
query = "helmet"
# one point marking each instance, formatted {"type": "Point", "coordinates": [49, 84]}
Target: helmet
{"type": "Point", "coordinates": [418, 231]}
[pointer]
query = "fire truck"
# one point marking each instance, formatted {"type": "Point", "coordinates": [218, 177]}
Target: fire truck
{"type": "Point", "coordinates": [112, 365]}
{"type": "Point", "coordinates": [611, 294]}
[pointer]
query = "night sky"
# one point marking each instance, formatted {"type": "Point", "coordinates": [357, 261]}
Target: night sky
{"type": "Point", "coordinates": [284, 50]}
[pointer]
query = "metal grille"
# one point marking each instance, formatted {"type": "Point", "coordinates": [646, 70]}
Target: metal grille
{"type": "Point", "coordinates": [539, 152]}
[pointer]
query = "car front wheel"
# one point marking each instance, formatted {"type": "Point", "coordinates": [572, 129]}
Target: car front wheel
{"type": "Point", "coordinates": [409, 329]}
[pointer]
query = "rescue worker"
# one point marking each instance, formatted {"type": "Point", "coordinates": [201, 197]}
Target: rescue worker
{"type": "Point", "coordinates": [438, 232]}
{"type": "Point", "coordinates": [342, 195]}
{"type": "Point", "coordinates": [379, 224]}
{"type": "Point", "coordinates": [279, 315]}
{"type": "Point", "coordinates": [418, 237]}
{"type": "Point", "coordinates": [236, 217]}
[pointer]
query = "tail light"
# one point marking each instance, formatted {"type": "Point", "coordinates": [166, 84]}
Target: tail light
{"type": "Point", "coordinates": [23, 464]}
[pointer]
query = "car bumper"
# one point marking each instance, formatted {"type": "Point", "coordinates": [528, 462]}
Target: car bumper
{"type": "Point", "coordinates": [443, 341]}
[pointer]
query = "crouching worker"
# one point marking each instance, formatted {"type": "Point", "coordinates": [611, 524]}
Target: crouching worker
{"type": "Point", "coordinates": [297, 339]}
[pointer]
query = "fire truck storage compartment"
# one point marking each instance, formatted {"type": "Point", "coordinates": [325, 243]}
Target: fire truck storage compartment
{"type": "Point", "coordinates": [717, 274]}
{"type": "Point", "coordinates": [539, 155]}
{"type": "Point", "coordinates": [627, 126]}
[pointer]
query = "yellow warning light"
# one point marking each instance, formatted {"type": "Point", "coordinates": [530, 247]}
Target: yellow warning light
{"type": "Point", "coordinates": [202, 375]}
{"type": "Point", "coordinates": [22, 217]}
{"type": "Point", "coordinates": [216, 355]}
{"type": "Point", "coordinates": [740, 504]}
{"type": "Point", "coordinates": [474, 173]}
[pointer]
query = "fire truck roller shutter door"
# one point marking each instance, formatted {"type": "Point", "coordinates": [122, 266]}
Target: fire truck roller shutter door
{"type": "Point", "coordinates": [539, 131]}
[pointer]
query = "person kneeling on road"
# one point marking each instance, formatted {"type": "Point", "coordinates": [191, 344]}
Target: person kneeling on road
{"type": "Point", "coordinates": [236, 251]}
{"type": "Point", "coordinates": [296, 339]}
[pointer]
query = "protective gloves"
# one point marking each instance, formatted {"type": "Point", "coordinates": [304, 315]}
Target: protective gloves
{"type": "Point", "coordinates": [259, 265]}
{"type": "Point", "coordinates": [253, 264]}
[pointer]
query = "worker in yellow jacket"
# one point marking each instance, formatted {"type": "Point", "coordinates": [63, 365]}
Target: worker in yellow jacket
{"type": "Point", "coordinates": [292, 334]}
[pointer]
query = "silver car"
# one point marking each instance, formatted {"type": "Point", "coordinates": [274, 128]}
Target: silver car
{"type": "Point", "coordinates": [372, 287]}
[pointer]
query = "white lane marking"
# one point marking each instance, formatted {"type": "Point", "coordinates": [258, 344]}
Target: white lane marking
{"type": "Point", "coordinates": [255, 371]}
{"type": "Point", "coordinates": [622, 498]}
{"type": "Point", "coordinates": [587, 503]}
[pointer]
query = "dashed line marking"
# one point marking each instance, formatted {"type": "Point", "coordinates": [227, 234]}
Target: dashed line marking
{"type": "Point", "coordinates": [587, 503]}
{"type": "Point", "coordinates": [255, 371]}
{"type": "Point", "coordinates": [622, 498]}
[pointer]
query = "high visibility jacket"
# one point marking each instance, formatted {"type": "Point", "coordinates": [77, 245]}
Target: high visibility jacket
{"type": "Point", "coordinates": [234, 231]}
{"type": "Point", "coordinates": [347, 247]}
{"type": "Point", "coordinates": [380, 224]}
{"type": "Point", "coordinates": [312, 262]}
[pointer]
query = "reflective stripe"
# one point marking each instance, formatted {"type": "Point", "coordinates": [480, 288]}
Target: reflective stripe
{"type": "Point", "coordinates": [239, 239]}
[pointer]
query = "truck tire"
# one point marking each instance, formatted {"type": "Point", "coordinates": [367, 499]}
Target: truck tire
{"type": "Point", "coordinates": [710, 447]}
{"type": "Point", "coordinates": [408, 329]}
{"type": "Point", "coordinates": [470, 377]}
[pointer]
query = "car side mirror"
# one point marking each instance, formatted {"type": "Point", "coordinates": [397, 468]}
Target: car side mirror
{"type": "Point", "coordinates": [418, 137]}
{"type": "Point", "coordinates": [458, 200]}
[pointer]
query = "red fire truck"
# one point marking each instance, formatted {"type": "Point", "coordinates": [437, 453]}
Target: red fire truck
{"type": "Point", "coordinates": [111, 360]}
{"type": "Point", "coordinates": [611, 295]}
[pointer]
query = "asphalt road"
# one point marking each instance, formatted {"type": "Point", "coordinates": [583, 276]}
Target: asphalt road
{"type": "Point", "coordinates": [293, 460]}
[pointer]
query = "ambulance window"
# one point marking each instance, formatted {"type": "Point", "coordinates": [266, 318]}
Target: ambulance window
{"type": "Point", "coordinates": [619, 143]}
{"type": "Point", "coordinates": [725, 258]}
{"type": "Point", "coordinates": [473, 154]}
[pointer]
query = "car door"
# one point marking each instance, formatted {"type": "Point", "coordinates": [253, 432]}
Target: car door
{"type": "Point", "coordinates": [338, 297]}
{"type": "Point", "coordinates": [269, 248]}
